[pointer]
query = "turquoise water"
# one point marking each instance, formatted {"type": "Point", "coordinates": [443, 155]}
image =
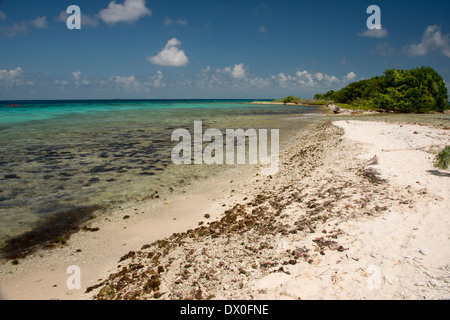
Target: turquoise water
{"type": "Point", "coordinates": [62, 159]}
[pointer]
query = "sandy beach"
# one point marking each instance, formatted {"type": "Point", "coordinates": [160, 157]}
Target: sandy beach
{"type": "Point", "coordinates": [330, 225]}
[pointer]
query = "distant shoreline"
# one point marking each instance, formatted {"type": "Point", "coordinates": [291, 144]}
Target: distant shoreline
{"type": "Point", "coordinates": [342, 110]}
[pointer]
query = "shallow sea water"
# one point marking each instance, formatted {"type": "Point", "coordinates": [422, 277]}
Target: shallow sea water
{"type": "Point", "coordinates": [62, 156]}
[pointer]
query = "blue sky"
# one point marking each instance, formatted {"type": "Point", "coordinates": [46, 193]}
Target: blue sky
{"type": "Point", "coordinates": [212, 48]}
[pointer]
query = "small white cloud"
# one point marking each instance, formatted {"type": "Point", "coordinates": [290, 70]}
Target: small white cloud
{"type": "Point", "coordinates": [40, 23]}
{"type": "Point", "coordinates": [330, 79]}
{"type": "Point", "coordinates": [374, 33]}
{"type": "Point", "coordinates": [2, 15]}
{"type": "Point", "coordinates": [158, 80]}
{"type": "Point", "coordinates": [181, 22]}
{"type": "Point", "coordinates": [76, 75]}
{"type": "Point", "coordinates": [262, 29]}
{"type": "Point", "coordinates": [238, 71]}
{"type": "Point", "coordinates": [11, 77]}
{"type": "Point", "coordinates": [22, 27]}
{"type": "Point", "coordinates": [301, 73]}
{"type": "Point", "coordinates": [171, 55]}
{"type": "Point", "coordinates": [126, 82]}
{"type": "Point", "coordinates": [350, 76]}
{"type": "Point", "coordinates": [4, 74]}
{"type": "Point", "coordinates": [130, 11]}
{"type": "Point", "coordinates": [432, 39]}
{"type": "Point", "coordinates": [318, 80]}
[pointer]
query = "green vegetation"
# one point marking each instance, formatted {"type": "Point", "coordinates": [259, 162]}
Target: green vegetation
{"type": "Point", "coordinates": [418, 90]}
{"type": "Point", "coordinates": [290, 99]}
{"type": "Point", "coordinates": [442, 160]}
{"type": "Point", "coordinates": [316, 102]}
{"type": "Point", "coordinates": [325, 96]}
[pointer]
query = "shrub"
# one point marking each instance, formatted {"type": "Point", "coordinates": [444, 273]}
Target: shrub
{"type": "Point", "coordinates": [442, 160]}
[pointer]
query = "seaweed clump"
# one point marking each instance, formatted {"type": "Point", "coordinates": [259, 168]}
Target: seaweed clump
{"type": "Point", "coordinates": [52, 231]}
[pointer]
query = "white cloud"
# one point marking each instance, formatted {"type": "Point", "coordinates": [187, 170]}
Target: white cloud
{"type": "Point", "coordinates": [126, 81]}
{"type": "Point", "coordinates": [76, 75]}
{"type": "Point", "coordinates": [350, 76]}
{"type": "Point", "coordinates": [301, 73]}
{"type": "Point", "coordinates": [317, 80]}
{"type": "Point", "coordinates": [331, 79]}
{"type": "Point", "coordinates": [22, 27]}
{"type": "Point", "coordinates": [2, 15]}
{"type": "Point", "coordinates": [133, 83]}
{"type": "Point", "coordinates": [158, 80]}
{"type": "Point", "coordinates": [130, 11]}
{"type": "Point", "coordinates": [238, 71]}
{"type": "Point", "coordinates": [181, 22]}
{"type": "Point", "coordinates": [262, 29]}
{"type": "Point", "coordinates": [432, 39]}
{"type": "Point", "coordinates": [171, 55]}
{"type": "Point", "coordinates": [5, 74]}
{"type": "Point", "coordinates": [11, 77]}
{"type": "Point", "coordinates": [40, 23]}
{"type": "Point", "coordinates": [374, 33]}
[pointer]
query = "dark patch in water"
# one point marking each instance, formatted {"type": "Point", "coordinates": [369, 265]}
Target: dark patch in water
{"type": "Point", "coordinates": [11, 176]}
{"type": "Point", "coordinates": [66, 174]}
{"type": "Point", "coordinates": [98, 169]}
{"type": "Point", "coordinates": [94, 180]}
{"type": "Point", "coordinates": [147, 173]}
{"type": "Point", "coordinates": [51, 231]}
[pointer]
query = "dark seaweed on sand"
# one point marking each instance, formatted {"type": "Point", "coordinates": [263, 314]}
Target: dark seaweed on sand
{"type": "Point", "coordinates": [53, 230]}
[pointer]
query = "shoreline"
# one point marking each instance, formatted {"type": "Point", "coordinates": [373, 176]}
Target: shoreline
{"type": "Point", "coordinates": [284, 256]}
{"type": "Point", "coordinates": [330, 107]}
{"type": "Point", "coordinates": [41, 274]}
{"type": "Point", "coordinates": [306, 234]}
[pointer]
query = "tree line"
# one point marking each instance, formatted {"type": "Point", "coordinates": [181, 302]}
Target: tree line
{"type": "Point", "coordinates": [418, 90]}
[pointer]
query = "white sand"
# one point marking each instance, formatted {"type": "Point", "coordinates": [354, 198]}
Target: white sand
{"type": "Point", "coordinates": [401, 254]}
